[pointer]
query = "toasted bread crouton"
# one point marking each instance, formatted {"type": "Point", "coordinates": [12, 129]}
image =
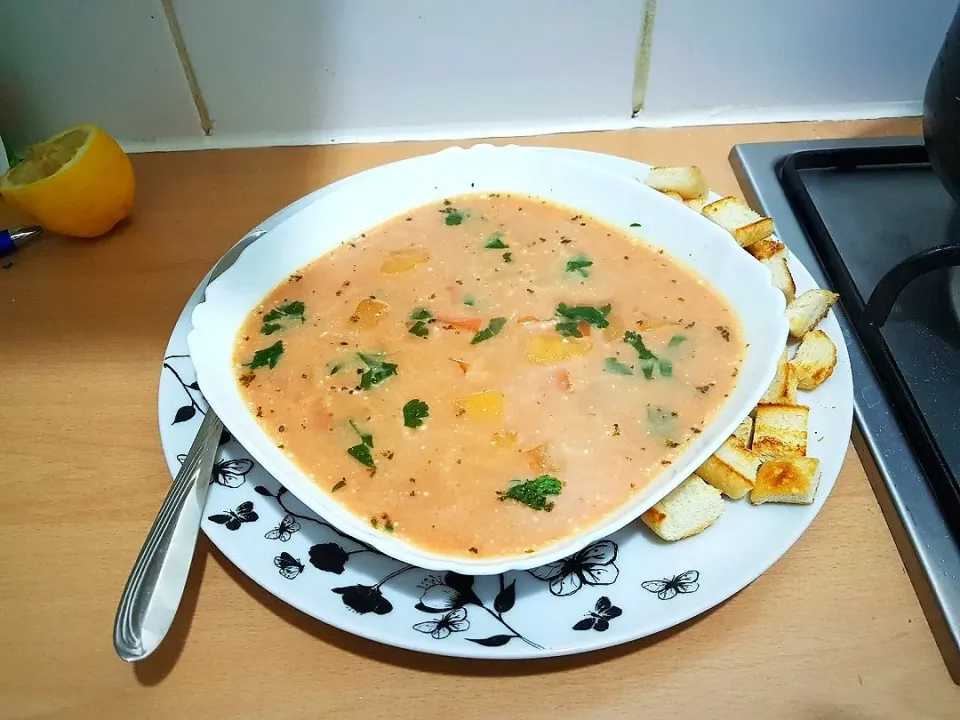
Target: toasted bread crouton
{"type": "Point", "coordinates": [744, 432]}
{"type": "Point", "coordinates": [696, 204]}
{"type": "Point", "coordinates": [773, 255]}
{"type": "Point", "coordinates": [692, 507]}
{"type": "Point", "coordinates": [731, 469]}
{"type": "Point", "coordinates": [673, 195]}
{"type": "Point", "coordinates": [780, 430]}
{"type": "Point", "coordinates": [746, 226]}
{"type": "Point", "coordinates": [767, 249]}
{"type": "Point", "coordinates": [687, 182]}
{"type": "Point", "coordinates": [815, 360]}
{"type": "Point", "coordinates": [783, 389]}
{"type": "Point", "coordinates": [806, 311]}
{"type": "Point", "coordinates": [789, 480]}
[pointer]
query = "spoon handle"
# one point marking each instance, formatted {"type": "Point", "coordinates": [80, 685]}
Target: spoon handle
{"type": "Point", "coordinates": [155, 586]}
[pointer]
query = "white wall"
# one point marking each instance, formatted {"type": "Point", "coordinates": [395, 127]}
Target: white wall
{"type": "Point", "coordinates": [317, 71]}
{"type": "Point", "coordinates": [743, 59]}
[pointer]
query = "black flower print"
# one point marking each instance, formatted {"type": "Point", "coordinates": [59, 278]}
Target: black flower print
{"type": "Point", "coordinates": [594, 565]}
{"type": "Point", "coordinates": [363, 599]}
{"type": "Point", "coordinates": [453, 621]}
{"type": "Point", "coordinates": [599, 618]}
{"type": "Point", "coordinates": [232, 473]}
{"type": "Point", "coordinates": [329, 557]}
{"type": "Point", "coordinates": [289, 566]}
{"type": "Point", "coordinates": [232, 519]}
{"type": "Point", "coordinates": [285, 530]}
{"type": "Point", "coordinates": [451, 593]}
{"type": "Point", "coordinates": [667, 589]}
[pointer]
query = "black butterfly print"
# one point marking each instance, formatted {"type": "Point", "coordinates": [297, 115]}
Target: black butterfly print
{"type": "Point", "coordinates": [667, 589]}
{"type": "Point", "coordinates": [228, 473]}
{"type": "Point", "coordinates": [289, 566]}
{"type": "Point", "coordinates": [285, 530]}
{"type": "Point", "coordinates": [233, 519]}
{"type": "Point", "coordinates": [599, 619]}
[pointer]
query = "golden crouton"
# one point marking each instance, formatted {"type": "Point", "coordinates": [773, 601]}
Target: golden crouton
{"type": "Point", "coordinates": [696, 204]}
{"type": "Point", "coordinates": [789, 480]}
{"type": "Point", "coordinates": [687, 182]}
{"type": "Point", "coordinates": [744, 432]}
{"type": "Point", "coordinates": [746, 226]}
{"type": "Point", "coordinates": [773, 255]}
{"type": "Point", "coordinates": [815, 360]}
{"type": "Point", "coordinates": [731, 469]}
{"type": "Point", "coordinates": [806, 311]}
{"type": "Point", "coordinates": [783, 389]}
{"type": "Point", "coordinates": [673, 195]}
{"type": "Point", "coordinates": [780, 430]}
{"type": "Point", "coordinates": [692, 507]}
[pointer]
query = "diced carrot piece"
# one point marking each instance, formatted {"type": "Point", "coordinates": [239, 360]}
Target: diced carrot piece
{"type": "Point", "coordinates": [471, 324]}
{"type": "Point", "coordinates": [550, 349]}
{"type": "Point", "coordinates": [504, 438]}
{"type": "Point", "coordinates": [527, 320]}
{"type": "Point", "coordinates": [401, 261]}
{"type": "Point", "coordinates": [539, 460]}
{"type": "Point", "coordinates": [463, 366]}
{"type": "Point", "coordinates": [563, 381]}
{"type": "Point", "coordinates": [584, 327]}
{"type": "Point", "coordinates": [369, 313]}
{"type": "Point", "coordinates": [487, 405]}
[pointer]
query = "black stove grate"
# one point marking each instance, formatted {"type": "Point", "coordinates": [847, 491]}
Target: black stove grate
{"type": "Point", "coordinates": [886, 234]}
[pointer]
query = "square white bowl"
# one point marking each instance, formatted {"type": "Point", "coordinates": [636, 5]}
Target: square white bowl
{"type": "Point", "coordinates": [372, 197]}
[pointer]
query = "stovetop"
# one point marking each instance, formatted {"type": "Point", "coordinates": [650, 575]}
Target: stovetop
{"type": "Point", "coordinates": [850, 226]}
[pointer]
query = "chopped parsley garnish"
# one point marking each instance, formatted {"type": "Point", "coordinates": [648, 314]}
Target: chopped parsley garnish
{"type": "Point", "coordinates": [361, 451]}
{"type": "Point", "coordinates": [469, 300]}
{"type": "Point", "coordinates": [662, 421]}
{"type": "Point", "coordinates": [508, 257]}
{"type": "Point", "coordinates": [677, 340]}
{"type": "Point", "coordinates": [421, 314]}
{"type": "Point", "coordinates": [579, 265]}
{"type": "Point", "coordinates": [452, 216]}
{"type": "Point", "coordinates": [273, 319]}
{"type": "Point", "coordinates": [420, 329]}
{"type": "Point", "coordinates": [335, 369]}
{"type": "Point", "coordinates": [338, 486]}
{"type": "Point", "coordinates": [494, 328]}
{"type": "Point", "coordinates": [377, 370]}
{"type": "Point", "coordinates": [414, 411]}
{"type": "Point", "coordinates": [533, 493]}
{"type": "Point", "coordinates": [496, 242]}
{"type": "Point", "coordinates": [648, 361]}
{"type": "Point", "coordinates": [573, 316]}
{"type": "Point", "coordinates": [612, 365]}
{"type": "Point", "coordinates": [634, 224]}
{"type": "Point", "coordinates": [267, 357]}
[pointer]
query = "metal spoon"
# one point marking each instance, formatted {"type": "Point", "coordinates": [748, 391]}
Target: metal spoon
{"type": "Point", "coordinates": [155, 586]}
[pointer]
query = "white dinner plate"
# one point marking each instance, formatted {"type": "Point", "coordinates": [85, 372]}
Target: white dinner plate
{"type": "Point", "coordinates": [615, 590]}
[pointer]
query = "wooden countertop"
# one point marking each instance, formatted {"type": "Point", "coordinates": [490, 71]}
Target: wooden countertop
{"type": "Point", "coordinates": [833, 630]}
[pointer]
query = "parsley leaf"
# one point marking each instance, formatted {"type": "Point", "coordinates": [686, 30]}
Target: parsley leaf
{"type": "Point", "coordinates": [452, 216]}
{"type": "Point", "coordinates": [508, 257]}
{"type": "Point", "coordinates": [419, 328]}
{"type": "Point", "coordinates": [340, 484]}
{"type": "Point", "coordinates": [365, 438]}
{"type": "Point", "coordinates": [377, 370]}
{"type": "Point", "coordinates": [533, 493]}
{"type": "Point", "coordinates": [267, 357]}
{"type": "Point", "coordinates": [469, 300]}
{"type": "Point", "coordinates": [677, 340]}
{"type": "Point", "coordinates": [414, 412]}
{"type": "Point", "coordinates": [581, 313]}
{"type": "Point", "coordinates": [666, 368]}
{"type": "Point", "coordinates": [579, 265]}
{"type": "Point", "coordinates": [496, 242]}
{"type": "Point", "coordinates": [421, 314]}
{"type": "Point", "coordinates": [612, 365]}
{"type": "Point", "coordinates": [272, 320]}
{"type": "Point", "coordinates": [634, 340]}
{"type": "Point", "coordinates": [361, 453]}
{"type": "Point", "coordinates": [634, 224]}
{"type": "Point", "coordinates": [494, 328]}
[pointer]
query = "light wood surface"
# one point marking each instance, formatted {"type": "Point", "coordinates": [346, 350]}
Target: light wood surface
{"type": "Point", "coordinates": [833, 630]}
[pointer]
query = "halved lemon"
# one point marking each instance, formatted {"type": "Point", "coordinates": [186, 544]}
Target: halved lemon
{"type": "Point", "coordinates": [79, 183]}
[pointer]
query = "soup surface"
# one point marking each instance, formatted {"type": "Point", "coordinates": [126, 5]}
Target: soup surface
{"type": "Point", "coordinates": [487, 375]}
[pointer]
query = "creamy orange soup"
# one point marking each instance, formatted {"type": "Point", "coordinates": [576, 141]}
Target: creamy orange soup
{"type": "Point", "coordinates": [487, 375]}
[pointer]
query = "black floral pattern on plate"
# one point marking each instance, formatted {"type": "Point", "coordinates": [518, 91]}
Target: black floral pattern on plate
{"type": "Point", "coordinates": [285, 530]}
{"type": "Point", "coordinates": [599, 618]}
{"type": "Point", "coordinates": [453, 622]}
{"type": "Point", "coordinates": [233, 519]}
{"type": "Point", "coordinates": [290, 567]}
{"type": "Point", "coordinates": [594, 565]}
{"type": "Point", "coordinates": [669, 588]}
